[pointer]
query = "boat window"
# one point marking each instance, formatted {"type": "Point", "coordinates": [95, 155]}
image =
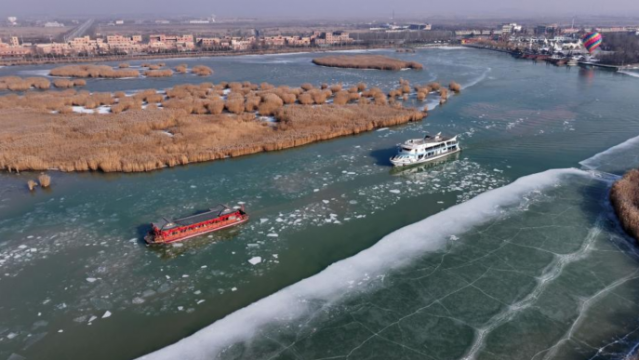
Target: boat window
{"type": "Point", "coordinates": [405, 149]}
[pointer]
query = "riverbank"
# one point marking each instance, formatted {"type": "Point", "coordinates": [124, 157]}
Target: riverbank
{"type": "Point", "coordinates": [198, 54]}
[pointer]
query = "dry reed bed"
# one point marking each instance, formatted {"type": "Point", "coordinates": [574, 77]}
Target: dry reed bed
{"type": "Point", "coordinates": [93, 71]}
{"type": "Point", "coordinates": [138, 141]}
{"type": "Point", "coordinates": [16, 83]}
{"type": "Point", "coordinates": [377, 62]}
{"type": "Point", "coordinates": [213, 99]}
{"type": "Point", "coordinates": [624, 196]}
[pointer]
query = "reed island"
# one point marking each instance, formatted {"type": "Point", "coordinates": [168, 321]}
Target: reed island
{"type": "Point", "coordinates": [624, 196]}
{"type": "Point", "coordinates": [75, 130]}
{"type": "Point", "coordinates": [375, 62]}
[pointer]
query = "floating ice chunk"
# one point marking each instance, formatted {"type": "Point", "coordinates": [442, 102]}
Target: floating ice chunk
{"type": "Point", "coordinates": [453, 237]}
{"type": "Point", "coordinates": [325, 201]}
{"type": "Point", "coordinates": [272, 235]}
{"type": "Point", "coordinates": [440, 202]}
{"type": "Point", "coordinates": [24, 246]}
{"type": "Point", "coordinates": [382, 129]}
{"type": "Point", "coordinates": [91, 279]}
{"type": "Point", "coordinates": [193, 186]}
{"type": "Point", "coordinates": [177, 245]}
{"type": "Point", "coordinates": [203, 267]}
{"type": "Point", "coordinates": [263, 220]}
{"type": "Point", "coordinates": [234, 289]}
{"type": "Point", "coordinates": [255, 260]}
{"type": "Point", "coordinates": [106, 314]}
{"type": "Point", "coordinates": [92, 318]}
{"type": "Point", "coordinates": [275, 256]}
{"type": "Point", "coordinates": [241, 202]}
{"type": "Point", "coordinates": [137, 301]}
{"type": "Point", "coordinates": [197, 292]}
{"type": "Point", "coordinates": [60, 331]}
{"type": "Point", "coordinates": [394, 191]}
{"type": "Point", "coordinates": [180, 308]}
{"type": "Point", "coordinates": [200, 301]}
{"type": "Point", "coordinates": [11, 336]}
{"type": "Point", "coordinates": [185, 276]}
{"type": "Point", "coordinates": [316, 190]}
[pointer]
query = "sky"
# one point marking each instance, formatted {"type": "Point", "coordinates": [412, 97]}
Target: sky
{"type": "Point", "coordinates": [307, 9]}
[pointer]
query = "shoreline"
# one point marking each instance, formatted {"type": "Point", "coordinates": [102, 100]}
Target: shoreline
{"type": "Point", "coordinates": [203, 54]}
{"type": "Point", "coordinates": [615, 68]}
{"type": "Point", "coordinates": [184, 55]}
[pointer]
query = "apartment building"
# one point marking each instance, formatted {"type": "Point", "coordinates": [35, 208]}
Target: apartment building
{"type": "Point", "coordinates": [171, 42]}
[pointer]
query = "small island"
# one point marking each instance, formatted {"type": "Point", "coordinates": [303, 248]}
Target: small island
{"type": "Point", "coordinates": [71, 130]}
{"type": "Point", "coordinates": [376, 62]}
{"type": "Point", "coordinates": [624, 196]}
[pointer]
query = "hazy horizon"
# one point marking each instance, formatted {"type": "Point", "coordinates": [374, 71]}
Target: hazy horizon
{"type": "Point", "coordinates": [326, 9]}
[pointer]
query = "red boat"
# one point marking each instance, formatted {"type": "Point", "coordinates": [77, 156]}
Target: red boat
{"type": "Point", "coordinates": [220, 217]}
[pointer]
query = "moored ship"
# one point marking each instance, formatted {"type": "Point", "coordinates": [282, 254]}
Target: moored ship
{"type": "Point", "coordinates": [429, 148]}
{"type": "Point", "coordinates": [220, 217]}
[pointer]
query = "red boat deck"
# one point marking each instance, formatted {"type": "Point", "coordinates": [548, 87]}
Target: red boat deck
{"type": "Point", "coordinates": [169, 231]}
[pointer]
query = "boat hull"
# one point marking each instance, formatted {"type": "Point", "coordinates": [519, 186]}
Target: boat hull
{"type": "Point", "coordinates": [152, 239]}
{"type": "Point", "coordinates": [397, 163]}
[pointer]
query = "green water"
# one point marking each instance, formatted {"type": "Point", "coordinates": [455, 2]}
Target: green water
{"type": "Point", "coordinates": [546, 275]}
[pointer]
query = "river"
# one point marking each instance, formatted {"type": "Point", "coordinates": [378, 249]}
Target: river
{"type": "Point", "coordinates": [508, 250]}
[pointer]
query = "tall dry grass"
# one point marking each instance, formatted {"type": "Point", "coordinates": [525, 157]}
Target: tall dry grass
{"type": "Point", "coordinates": [455, 87]}
{"type": "Point", "coordinates": [16, 83]}
{"type": "Point", "coordinates": [93, 71]}
{"type": "Point", "coordinates": [123, 65]}
{"type": "Point", "coordinates": [377, 62]}
{"type": "Point", "coordinates": [235, 103]}
{"type": "Point", "coordinates": [202, 70]}
{"type": "Point", "coordinates": [136, 140]}
{"type": "Point", "coordinates": [63, 83]}
{"type": "Point", "coordinates": [624, 196]}
{"type": "Point", "coordinates": [182, 69]}
{"type": "Point", "coordinates": [44, 180]}
{"type": "Point", "coordinates": [158, 73]}
{"type": "Point", "coordinates": [270, 104]}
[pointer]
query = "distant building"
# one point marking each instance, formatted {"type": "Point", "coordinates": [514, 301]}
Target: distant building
{"type": "Point", "coordinates": [119, 22]}
{"type": "Point", "coordinates": [419, 27]}
{"type": "Point", "coordinates": [331, 38]}
{"type": "Point", "coordinates": [125, 44]}
{"type": "Point", "coordinates": [13, 21]}
{"type": "Point", "coordinates": [199, 22]}
{"type": "Point", "coordinates": [467, 32]}
{"type": "Point", "coordinates": [14, 41]}
{"type": "Point", "coordinates": [162, 22]}
{"type": "Point", "coordinates": [164, 42]}
{"type": "Point", "coordinates": [53, 24]}
{"type": "Point", "coordinates": [613, 30]}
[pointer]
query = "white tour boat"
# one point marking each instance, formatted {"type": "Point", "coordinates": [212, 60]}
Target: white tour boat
{"type": "Point", "coordinates": [417, 151]}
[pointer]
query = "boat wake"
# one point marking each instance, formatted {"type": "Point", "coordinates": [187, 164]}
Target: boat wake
{"type": "Point", "coordinates": [629, 73]}
{"type": "Point", "coordinates": [477, 81]}
{"type": "Point", "coordinates": [367, 269]}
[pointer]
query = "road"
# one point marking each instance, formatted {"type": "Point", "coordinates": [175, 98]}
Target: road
{"type": "Point", "coordinates": [79, 31]}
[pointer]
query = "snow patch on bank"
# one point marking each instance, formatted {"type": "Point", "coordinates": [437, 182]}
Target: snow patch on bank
{"type": "Point", "coordinates": [394, 250]}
